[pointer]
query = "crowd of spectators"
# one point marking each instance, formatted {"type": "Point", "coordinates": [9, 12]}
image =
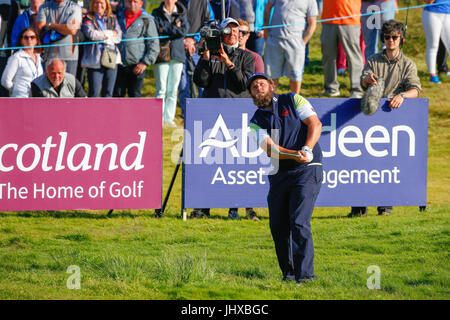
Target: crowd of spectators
{"type": "Point", "coordinates": [122, 39]}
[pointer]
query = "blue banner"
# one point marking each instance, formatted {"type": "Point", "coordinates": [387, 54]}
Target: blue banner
{"type": "Point", "coordinates": [368, 160]}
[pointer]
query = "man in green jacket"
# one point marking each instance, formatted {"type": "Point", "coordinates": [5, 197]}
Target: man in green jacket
{"type": "Point", "coordinates": [400, 77]}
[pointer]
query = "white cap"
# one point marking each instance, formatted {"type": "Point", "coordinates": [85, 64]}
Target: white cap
{"type": "Point", "coordinates": [227, 21]}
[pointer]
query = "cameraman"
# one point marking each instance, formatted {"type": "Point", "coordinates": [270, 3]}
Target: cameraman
{"type": "Point", "coordinates": [225, 75]}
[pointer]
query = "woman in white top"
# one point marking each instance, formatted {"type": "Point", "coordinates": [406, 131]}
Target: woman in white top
{"type": "Point", "coordinates": [24, 66]}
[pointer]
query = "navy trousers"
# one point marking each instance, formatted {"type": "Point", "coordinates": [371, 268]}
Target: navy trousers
{"type": "Point", "coordinates": [291, 200]}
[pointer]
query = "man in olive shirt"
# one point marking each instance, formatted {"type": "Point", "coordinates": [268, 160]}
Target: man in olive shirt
{"type": "Point", "coordinates": [400, 77]}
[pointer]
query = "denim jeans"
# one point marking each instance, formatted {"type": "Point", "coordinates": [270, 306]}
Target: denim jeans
{"type": "Point", "coordinates": [71, 67]}
{"type": "Point", "coordinates": [256, 44]}
{"type": "Point", "coordinates": [167, 78]}
{"type": "Point", "coordinates": [128, 81]}
{"type": "Point", "coordinates": [185, 84]}
{"type": "Point", "coordinates": [103, 80]}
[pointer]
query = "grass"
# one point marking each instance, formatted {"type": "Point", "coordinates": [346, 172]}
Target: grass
{"type": "Point", "coordinates": [131, 255]}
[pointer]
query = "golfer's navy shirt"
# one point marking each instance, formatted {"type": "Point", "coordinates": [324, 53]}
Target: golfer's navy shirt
{"type": "Point", "coordinates": [284, 125]}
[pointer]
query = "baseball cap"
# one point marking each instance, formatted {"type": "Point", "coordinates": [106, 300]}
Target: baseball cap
{"type": "Point", "coordinates": [227, 21]}
{"type": "Point", "coordinates": [255, 76]}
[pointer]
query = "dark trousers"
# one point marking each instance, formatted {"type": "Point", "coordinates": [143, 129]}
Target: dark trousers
{"type": "Point", "coordinates": [129, 82]}
{"type": "Point", "coordinates": [291, 200]}
{"type": "Point", "coordinates": [442, 58]}
{"type": "Point", "coordinates": [101, 80]}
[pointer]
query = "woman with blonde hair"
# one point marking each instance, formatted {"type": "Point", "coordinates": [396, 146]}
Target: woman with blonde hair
{"type": "Point", "coordinates": [101, 58]}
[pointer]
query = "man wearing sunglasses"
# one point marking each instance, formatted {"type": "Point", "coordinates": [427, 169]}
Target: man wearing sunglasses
{"type": "Point", "coordinates": [400, 77]}
{"type": "Point", "coordinates": [244, 35]}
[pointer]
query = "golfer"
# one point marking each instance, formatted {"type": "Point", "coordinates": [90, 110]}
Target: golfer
{"type": "Point", "coordinates": [287, 128]}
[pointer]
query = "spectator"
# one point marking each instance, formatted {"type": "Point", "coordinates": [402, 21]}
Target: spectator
{"type": "Point", "coordinates": [198, 12]}
{"type": "Point", "coordinates": [26, 20]}
{"type": "Point", "coordinates": [56, 82]}
{"type": "Point", "coordinates": [371, 24]}
{"type": "Point", "coordinates": [119, 5]}
{"type": "Point", "coordinates": [24, 66]}
{"type": "Point", "coordinates": [400, 76]}
{"type": "Point", "coordinates": [225, 76]}
{"type": "Point", "coordinates": [101, 25]}
{"type": "Point", "coordinates": [135, 23]}
{"type": "Point", "coordinates": [9, 10]}
{"type": "Point", "coordinates": [244, 35]}
{"type": "Point", "coordinates": [171, 20]}
{"type": "Point", "coordinates": [252, 11]}
{"type": "Point", "coordinates": [319, 7]}
{"type": "Point", "coordinates": [436, 24]}
{"type": "Point", "coordinates": [442, 60]}
{"type": "Point", "coordinates": [285, 46]}
{"type": "Point", "coordinates": [256, 41]}
{"type": "Point", "coordinates": [341, 60]}
{"type": "Point", "coordinates": [58, 22]}
{"type": "Point", "coordinates": [348, 32]}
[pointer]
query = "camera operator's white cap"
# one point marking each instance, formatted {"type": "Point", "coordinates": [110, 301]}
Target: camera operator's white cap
{"type": "Point", "coordinates": [227, 21]}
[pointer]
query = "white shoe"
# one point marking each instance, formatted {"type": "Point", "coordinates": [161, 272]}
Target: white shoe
{"type": "Point", "coordinates": [356, 95]}
{"type": "Point", "coordinates": [328, 93]}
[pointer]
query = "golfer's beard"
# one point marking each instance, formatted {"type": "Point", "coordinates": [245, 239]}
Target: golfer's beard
{"type": "Point", "coordinates": [263, 100]}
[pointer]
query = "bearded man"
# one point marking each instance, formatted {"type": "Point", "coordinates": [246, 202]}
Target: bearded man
{"type": "Point", "coordinates": [288, 129]}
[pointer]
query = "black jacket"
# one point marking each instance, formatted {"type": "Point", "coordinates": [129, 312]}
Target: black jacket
{"type": "Point", "coordinates": [219, 81]}
{"type": "Point", "coordinates": [198, 14]}
{"type": "Point", "coordinates": [169, 28]}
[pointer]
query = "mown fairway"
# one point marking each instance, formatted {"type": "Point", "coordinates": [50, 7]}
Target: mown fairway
{"type": "Point", "coordinates": [132, 255]}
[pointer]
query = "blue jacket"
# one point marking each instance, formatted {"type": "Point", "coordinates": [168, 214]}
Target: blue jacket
{"type": "Point", "coordinates": [22, 22]}
{"type": "Point", "coordinates": [169, 28]}
{"type": "Point", "coordinates": [141, 50]}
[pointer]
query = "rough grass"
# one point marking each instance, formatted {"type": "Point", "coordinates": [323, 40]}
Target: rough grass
{"type": "Point", "coordinates": [131, 255]}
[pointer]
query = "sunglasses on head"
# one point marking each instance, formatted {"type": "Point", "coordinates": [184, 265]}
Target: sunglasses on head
{"type": "Point", "coordinates": [28, 37]}
{"type": "Point", "coordinates": [387, 37]}
{"type": "Point", "coordinates": [244, 32]}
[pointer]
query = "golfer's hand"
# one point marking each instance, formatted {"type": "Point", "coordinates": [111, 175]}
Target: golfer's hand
{"type": "Point", "coordinates": [303, 159]}
{"type": "Point", "coordinates": [396, 102]}
{"type": "Point", "coordinates": [140, 68]}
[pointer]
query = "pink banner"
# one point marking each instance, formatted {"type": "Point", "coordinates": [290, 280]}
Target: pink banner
{"type": "Point", "coordinates": [65, 154]}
